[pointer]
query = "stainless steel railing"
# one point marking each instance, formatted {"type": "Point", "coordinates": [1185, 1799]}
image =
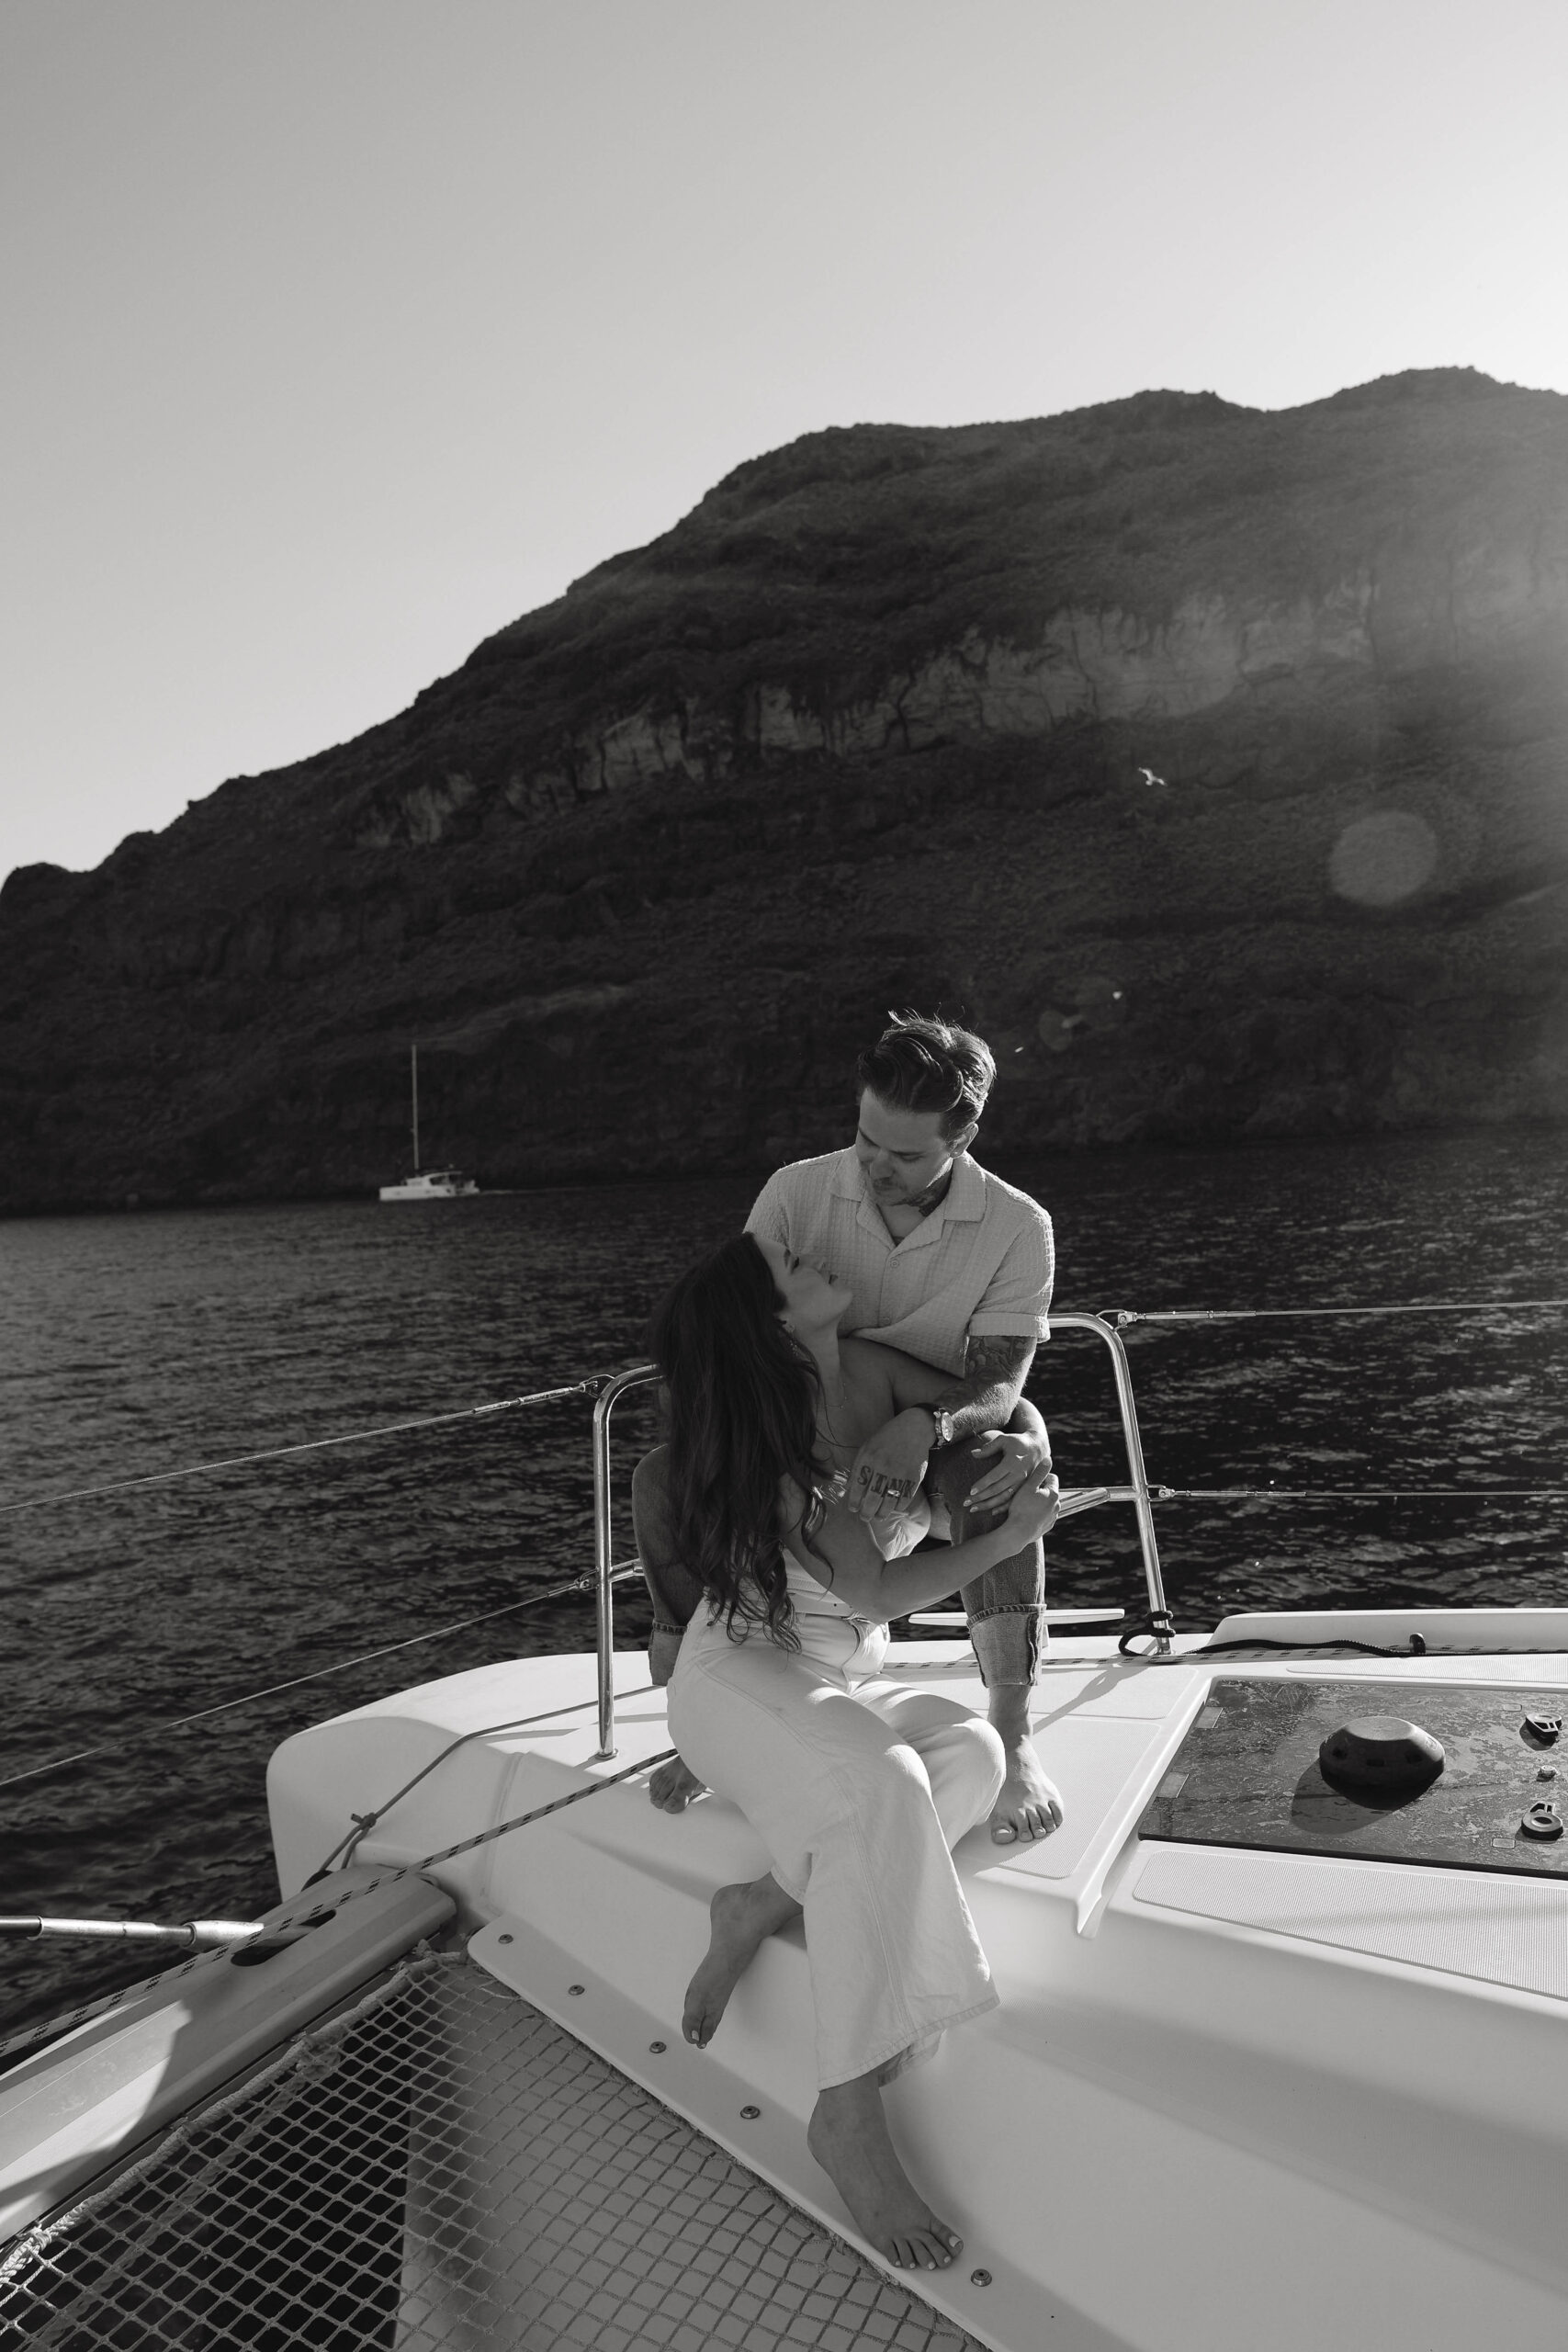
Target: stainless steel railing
{"type": "Point", "coordinates": [1137, 1493]}
{"type": "Point", "coordinates": [604, 1562]}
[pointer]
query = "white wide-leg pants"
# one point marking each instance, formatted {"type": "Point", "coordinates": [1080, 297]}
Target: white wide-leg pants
{"type": "Point", "coordinates": [858, 1792]}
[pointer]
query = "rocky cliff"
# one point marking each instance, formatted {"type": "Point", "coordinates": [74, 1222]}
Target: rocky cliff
{"type": "Point", "coordinates": [1214, 761]}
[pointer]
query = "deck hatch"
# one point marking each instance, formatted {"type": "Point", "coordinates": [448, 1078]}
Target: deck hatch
{"type": "Point", "coordinates": [1247, 1774]}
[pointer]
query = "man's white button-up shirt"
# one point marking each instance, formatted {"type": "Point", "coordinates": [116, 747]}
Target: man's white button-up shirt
{"type": "Point", "coordinates": [980, 1264]}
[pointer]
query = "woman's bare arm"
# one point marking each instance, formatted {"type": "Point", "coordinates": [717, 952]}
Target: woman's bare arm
{"type": "Point", "coordinates": [849, 1565]}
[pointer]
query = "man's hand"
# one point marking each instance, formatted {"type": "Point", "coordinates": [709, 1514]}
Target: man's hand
{"type": "Point", "coordinates": [1017, 1457]}
{"type": "Point", "coordinates": [890, 1467]}
{"type": "Point", "coordinates": [673, 1786]}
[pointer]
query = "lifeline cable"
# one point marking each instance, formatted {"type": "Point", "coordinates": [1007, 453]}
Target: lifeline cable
{"type": "Point", "coordinates": [595, 1383]}
{"type": "Point", "coordinates": [227, 1706]}
{"type": "Point", "coordinates": [1121, 1314]}
{"type": "Point", "coordinates": [1342, 1494]}
{"type": "Point", "coordinates": [589, 1387]}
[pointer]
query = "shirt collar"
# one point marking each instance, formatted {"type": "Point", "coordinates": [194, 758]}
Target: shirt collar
{"type": "Point", "coordinates": [847, 1176]}
{"type": "Point", "coordinates": [963, 1202]}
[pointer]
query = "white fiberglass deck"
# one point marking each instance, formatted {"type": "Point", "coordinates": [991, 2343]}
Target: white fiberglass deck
{"type": "Point", "coordinates": [1228, 2099]}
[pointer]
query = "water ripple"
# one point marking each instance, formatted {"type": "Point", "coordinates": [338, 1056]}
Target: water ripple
{"type": "Point", "coordinates": [144, 1343]}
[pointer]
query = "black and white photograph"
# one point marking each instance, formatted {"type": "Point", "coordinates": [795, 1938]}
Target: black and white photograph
{"type": "Point", "coordinates": [784, 1175]}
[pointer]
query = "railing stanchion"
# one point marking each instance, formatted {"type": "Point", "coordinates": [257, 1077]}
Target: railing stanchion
{"type": "Point", "coordinates": [1142, 1503]}
{"type": "Point", "coordinates": [605, 1606]}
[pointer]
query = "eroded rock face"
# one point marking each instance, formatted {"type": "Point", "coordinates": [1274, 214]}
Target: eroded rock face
{"type": "Point", "coordinates": [1213, 762]}
{"type": "Point", "coordinates": [1109, 665]}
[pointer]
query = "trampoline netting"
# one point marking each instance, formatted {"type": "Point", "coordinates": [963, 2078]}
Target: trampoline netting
{"type": "Point", "coordinates": [442, 2168]}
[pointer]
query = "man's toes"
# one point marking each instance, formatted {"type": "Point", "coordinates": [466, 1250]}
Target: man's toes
{"type": "Point", "coordinates": [1003, 1833]}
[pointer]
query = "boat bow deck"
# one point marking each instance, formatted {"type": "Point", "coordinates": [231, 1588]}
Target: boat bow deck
{"type": "Point", "coordinates": [1319, 2109]}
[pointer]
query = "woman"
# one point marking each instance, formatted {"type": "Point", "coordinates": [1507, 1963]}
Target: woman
{"type": "Point", "coordinates": [858, 1788]}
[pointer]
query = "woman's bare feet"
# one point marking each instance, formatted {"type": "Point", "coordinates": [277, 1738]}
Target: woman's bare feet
{"type": "Point", "coordinates": [848, 2135]}
{"type": "Point", "coordinates": [743, 1917]}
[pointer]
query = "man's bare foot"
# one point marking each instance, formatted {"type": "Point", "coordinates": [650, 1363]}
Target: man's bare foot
{"type": "Point", "coordinates": [1030, 1805]}
{"type": "Point", "coordinates": [674, 1785]}
{"type": "Point", "coordinates": [848, 2135]}
{"type": "Point", "coordinates": [743, 1917]}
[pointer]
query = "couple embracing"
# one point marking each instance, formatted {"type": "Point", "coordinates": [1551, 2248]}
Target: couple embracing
{"type": "Point", "coordinates": [848, 1441]}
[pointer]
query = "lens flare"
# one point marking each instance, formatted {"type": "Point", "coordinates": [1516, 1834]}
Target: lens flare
{"type": "Point", "coordinates": [1380, 860]}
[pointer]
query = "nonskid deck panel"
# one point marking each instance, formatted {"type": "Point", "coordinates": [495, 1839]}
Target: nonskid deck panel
{"type": "Point", "coordinates": [1248, 1775]}
{"type": "Point", "coordinates": [444, 2167]}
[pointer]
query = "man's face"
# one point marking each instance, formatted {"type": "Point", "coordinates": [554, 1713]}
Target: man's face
{"type": "Point", "coordinates": [904, 1153]}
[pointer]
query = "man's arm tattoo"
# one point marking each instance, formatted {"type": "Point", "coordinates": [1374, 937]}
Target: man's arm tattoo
{"type": "Point", "coordinates": [995, 1369]}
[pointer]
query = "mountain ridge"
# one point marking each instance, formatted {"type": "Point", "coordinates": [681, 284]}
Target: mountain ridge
{"type": "Point", "coordinates": [873, 721]}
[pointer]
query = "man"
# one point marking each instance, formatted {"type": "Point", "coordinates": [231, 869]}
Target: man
{"type": "Point", "coordinates": [953, 1266]}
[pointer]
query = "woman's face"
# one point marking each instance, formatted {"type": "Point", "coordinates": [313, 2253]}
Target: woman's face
{"type": "Point", "coordinates": [813, 1301]}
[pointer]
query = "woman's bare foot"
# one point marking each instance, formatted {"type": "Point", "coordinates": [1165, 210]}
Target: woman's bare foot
{"type": "Point", "coordinates": [743, 1917]}
{"type": "Point", "coordinates": [674, 1785]}
{"type": "Point", "coordinates": [848, 2135]}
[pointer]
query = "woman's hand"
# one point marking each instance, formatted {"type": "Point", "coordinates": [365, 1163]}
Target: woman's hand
{"type": "Point", "coordinates": [1017, 1456]}
{"type": "Point", "coordinates": [1032, 1510]}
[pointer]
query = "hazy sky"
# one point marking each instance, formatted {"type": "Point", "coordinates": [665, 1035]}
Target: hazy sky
{"type": "Point", "coordinates": [338, 333]}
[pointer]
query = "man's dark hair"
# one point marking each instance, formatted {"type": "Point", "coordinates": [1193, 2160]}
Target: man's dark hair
{"type": "Point", "coordinates": [921, 1064]}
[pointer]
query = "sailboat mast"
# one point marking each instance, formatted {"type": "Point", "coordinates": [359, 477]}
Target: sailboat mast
{"type": "Point", "coordinates": [414, 1074]}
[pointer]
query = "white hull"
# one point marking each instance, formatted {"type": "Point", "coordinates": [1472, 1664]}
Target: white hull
{"type": "Point", "coordinates": [1230, 2097]}
{"type": "Point", "coordinates": [439, 1184]}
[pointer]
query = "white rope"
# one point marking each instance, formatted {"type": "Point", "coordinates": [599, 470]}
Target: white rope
{"type": "Point", "coordinates": [589, 1387]}
{"type": "Point", "coordinates": [557, 1805]}
{"type": "Point", "coordinates": [363, 1823]}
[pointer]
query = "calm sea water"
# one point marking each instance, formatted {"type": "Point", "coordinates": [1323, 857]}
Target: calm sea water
{"type": "Point", "coordinates": [142, 1343]}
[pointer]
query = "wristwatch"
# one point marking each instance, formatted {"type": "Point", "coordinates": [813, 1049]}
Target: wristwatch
{"type": "Point", "coordinates": [942, 1424]}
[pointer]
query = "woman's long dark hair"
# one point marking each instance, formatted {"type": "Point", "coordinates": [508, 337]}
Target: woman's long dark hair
{"type": "Point", "coordinates": [742, 1416]}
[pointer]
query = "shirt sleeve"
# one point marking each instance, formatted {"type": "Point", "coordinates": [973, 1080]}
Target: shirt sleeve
{"type": "Point", "coordinates": [769, 1219]}
{"type": "Point", "coordinates": [1017, 1297]}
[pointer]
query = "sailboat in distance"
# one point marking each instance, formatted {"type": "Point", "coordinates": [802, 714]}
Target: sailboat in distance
{"type": "Point", "coordinates": [432, 1183]}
